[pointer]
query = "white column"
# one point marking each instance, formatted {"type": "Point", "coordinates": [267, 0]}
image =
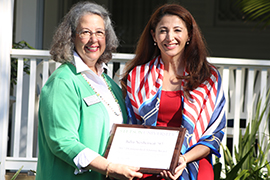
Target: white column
{"type": "Point", "coordinates": [6, 21]}
{"type": "Point", "coordinates": [263, 130]}
{"type": "Point", "coordinates": [249, 94]}
{"type": "Point", "coordinates": [237, 108]}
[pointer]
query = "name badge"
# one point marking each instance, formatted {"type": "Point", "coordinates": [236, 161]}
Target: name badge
{"type": "Point", "coordinates": [90, 100]}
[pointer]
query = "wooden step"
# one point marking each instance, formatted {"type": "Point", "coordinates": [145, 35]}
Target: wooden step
{"type": "Point", "coordinates": [21, 176]}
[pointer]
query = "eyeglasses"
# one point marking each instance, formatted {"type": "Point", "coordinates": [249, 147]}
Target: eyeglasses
{"type": "Point", "coordinates": [85, 34]}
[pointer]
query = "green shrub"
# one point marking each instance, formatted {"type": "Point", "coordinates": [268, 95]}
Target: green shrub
{"type": "Point", "coordinates": [251, 155]}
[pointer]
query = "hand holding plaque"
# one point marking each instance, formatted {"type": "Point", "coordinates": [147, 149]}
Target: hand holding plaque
{"type": "Point", "coordinates": [151, 148]}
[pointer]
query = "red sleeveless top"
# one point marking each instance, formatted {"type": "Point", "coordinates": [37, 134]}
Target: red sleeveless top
{"type": "Point", "coordinates": [170, 109]}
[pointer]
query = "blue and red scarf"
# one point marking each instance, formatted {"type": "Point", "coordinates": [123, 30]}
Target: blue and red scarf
{"type": "Point", "coordinates": [203, 116]}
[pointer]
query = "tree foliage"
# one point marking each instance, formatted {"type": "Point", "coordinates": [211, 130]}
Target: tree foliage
{"type": "Point", "coordinates": [255, 10]}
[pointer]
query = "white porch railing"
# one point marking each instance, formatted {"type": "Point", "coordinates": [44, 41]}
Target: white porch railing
{"type": "Point", "coordinates": [243, 81]}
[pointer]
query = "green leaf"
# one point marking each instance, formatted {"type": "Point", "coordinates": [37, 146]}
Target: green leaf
{"type": "Point", "coordinates": [233, 173]}
{"type": "Point", "coordinates": [242, 175]}
{"type": "Point", "coordinates": [217, 171]}
{"type": "Point", "coordinates": [16, 174]}
{"type": "Point", "coordinates": [227, 158]}
{"type": "Point", "coordinates": [255, 10]}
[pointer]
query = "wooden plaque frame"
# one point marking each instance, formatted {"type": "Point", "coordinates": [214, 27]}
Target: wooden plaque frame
{"type": "Point", "coordinates": [134, 128]}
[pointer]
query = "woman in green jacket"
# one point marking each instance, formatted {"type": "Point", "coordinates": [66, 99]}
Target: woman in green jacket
{"type": "Point", "coordinates": [79, 103]}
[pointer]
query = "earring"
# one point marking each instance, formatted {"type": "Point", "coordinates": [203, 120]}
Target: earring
{"type": "Point", "coordinates": [155, 43]}
{"type": "Point", "coordinates": [187, 42]}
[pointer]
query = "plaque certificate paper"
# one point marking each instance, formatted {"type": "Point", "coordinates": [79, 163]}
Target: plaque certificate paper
{"type": "Point", "coordinates": [151, 148]}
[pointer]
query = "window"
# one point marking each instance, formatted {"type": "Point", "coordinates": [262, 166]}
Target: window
{"type": "Point", "coordinates": [130, 18]}
{"type": "Point", "coordinates": [228, 11]}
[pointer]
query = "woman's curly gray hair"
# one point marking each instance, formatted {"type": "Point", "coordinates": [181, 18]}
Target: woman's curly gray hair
{"type": "Point", "coordinates": [63, 46]}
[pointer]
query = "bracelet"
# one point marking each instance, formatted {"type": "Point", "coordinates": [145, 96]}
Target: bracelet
{"type": "Point", "coordinates": [107, 167]}
{"type": "Point", "coordinates": [185, 159]}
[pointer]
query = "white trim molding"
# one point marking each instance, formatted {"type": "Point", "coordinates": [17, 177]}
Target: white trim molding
{"type": "Point", "coordinates": [6, 21]}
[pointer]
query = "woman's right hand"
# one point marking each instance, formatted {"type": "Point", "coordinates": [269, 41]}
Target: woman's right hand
{"type": "Point", "coordinates": [120, 171]}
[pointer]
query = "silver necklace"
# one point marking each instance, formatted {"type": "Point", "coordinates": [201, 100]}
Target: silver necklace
{"type": "Point", "coordinates": [102, 99]}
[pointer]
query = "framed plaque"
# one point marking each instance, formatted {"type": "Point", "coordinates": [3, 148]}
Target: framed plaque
{"type": "Point", "coordinates": [151, 148]}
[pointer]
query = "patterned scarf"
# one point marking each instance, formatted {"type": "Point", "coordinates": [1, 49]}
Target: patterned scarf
{"type": "Point", "coordinates": [203, 117]}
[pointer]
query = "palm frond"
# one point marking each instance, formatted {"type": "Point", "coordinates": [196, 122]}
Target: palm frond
{"type": "Point", "coordinates": [255, 10]}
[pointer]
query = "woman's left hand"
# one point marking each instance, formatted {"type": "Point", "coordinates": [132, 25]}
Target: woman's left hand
{"type": "Point", "coordinates": [178, 170]}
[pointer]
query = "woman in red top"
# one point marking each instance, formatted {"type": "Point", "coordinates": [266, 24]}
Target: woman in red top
{"type": "Point", "coordinates": [171, 83]}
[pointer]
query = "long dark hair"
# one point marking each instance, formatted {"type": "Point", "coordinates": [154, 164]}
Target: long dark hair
{"type": "Point", "coordinates": [195, 52]}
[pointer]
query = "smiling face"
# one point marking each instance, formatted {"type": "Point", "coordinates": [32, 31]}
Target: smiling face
{"type": "Point", "coordinates": [171, 36]}
{"type": "Point", "coordinates": [91, 48]}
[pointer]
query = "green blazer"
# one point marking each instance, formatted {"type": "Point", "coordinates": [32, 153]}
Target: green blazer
{"type": "Point", "coordinates": [67, 125]}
